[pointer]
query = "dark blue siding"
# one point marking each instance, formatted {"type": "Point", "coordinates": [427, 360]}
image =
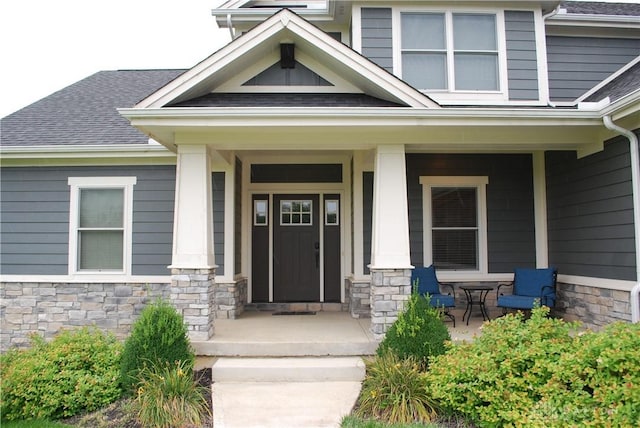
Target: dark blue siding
{"type": "Point", "coordinates": [35, 218]}
{"type": "Point", "coordinates": [377, 36]}
{"type": "Point", "coordinates": [367, 221]}
{"type": "Point", "coordinates": [590, 213]}
{"type": "Point", "coordinates": [218, 180]}
{"type": "Point", "coordinates": [577, 64]}
{"type": "Point", "coordinates": [522, 63]}
{"type": "Point", "coordinates": [510, 211]}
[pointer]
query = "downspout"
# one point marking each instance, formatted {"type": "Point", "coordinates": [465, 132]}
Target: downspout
{"type": "Point", "coordinates": [230, 26]}
{"type": "Point", "coordinates": [634, 298]}
{"type": "Point", "coordinates": [544, 18]}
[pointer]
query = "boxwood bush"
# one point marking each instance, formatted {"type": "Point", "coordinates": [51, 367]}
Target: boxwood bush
{"type": "Point", "coordinates": [419, 332]}
{"type": "Point", "coordinates": [77, 371]}
{"type": "Point", "coordinates": [541, 372]}
{"type": "Point", "coordinates": [158, 336]}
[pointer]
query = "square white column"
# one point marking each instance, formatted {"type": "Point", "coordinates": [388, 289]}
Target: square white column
{"type": "Point", "coordinates": [390, 231]}
{"type": "Point", "coordinates": [193, 214]}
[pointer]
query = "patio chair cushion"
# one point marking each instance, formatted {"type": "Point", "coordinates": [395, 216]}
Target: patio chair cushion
{"type": "Point", "coordinates": [439, 300]}
{"type": "Point", "coordinates": [517, 302]}
{"type": "Point", "coordinates": [427, 281]}
{"type": "Point", "coordinates": [530, 282]}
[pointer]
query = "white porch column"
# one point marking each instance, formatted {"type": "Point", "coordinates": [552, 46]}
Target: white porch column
{"type": "Point", "coordinates": [193, 265]}
{"type": "Point", "coordinates": [390, 240]}
{"type": "Point", "coordinates": [193, 215]}
{"type": "Point", "coordinates": [390, 254]}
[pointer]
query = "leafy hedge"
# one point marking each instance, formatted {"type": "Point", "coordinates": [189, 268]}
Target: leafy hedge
{"type": "Point", "coordinates": [158, 336]}
{"type": "Point", "coordinates": [419, 332]}
{"type": "Point", "coordinates": [76, 372]}
{"type": "Point", "coordinates": [541, 372]}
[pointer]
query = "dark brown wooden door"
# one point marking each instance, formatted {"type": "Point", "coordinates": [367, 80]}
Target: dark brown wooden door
{"type": "Point", "coordinates": [296, 248]}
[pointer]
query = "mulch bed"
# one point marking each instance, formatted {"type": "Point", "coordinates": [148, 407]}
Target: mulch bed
{"type": "Point", "coordinates": [120, 414]}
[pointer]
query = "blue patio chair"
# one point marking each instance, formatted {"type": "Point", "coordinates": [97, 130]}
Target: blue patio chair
{"type": "Point", "coordinates": [529, 286]}
{"type": "Point", "coordinates": [429, 284]}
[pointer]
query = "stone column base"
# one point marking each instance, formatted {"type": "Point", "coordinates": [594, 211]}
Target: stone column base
{"type": "Point", "coordinates": [390, 289]}
{"type": "Point", "coordinates": [359, 297]}
{"type": "Point", "coordinates": [193, 295]}
{"type": "Point", "coordinates": [230, 298]}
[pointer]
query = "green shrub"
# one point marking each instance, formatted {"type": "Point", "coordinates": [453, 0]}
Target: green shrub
{"type": "Point", "coordinates": [159, 335]}
{"type": "Point", "coordinates": [597, 383]}
{"type": "Point", "coordinates": [418, 332]}
{"type": "Point", "coordinates": [394, 391]}
{"type": "Point", "coordinates": [169, 397]}
{"type": "Point", "coordinates": [77, 371]}
{"type": "Point", "coordinates": [531, 373]}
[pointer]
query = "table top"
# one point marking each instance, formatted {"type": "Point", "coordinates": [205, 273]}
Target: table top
{"type": "Point", "coordinates": [478, 287]}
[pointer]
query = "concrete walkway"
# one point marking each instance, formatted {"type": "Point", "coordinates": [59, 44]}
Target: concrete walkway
{"type": "Point", "coordinates": [297, 371]}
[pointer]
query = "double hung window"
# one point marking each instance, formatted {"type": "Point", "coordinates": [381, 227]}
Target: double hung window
{"type": "Point", "coordinates": [100, 224]}
{"type": "Point", "coordinates": [450, 51]}
{"type": "Point", "coordinates": [455, 223]}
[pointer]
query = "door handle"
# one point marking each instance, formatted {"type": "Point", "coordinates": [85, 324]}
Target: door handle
{"type": "Point", "coordinates": [317, 248]}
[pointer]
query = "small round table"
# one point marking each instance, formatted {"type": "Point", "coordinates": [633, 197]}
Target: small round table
{"type": "Point", "coordinates": [478, 298]}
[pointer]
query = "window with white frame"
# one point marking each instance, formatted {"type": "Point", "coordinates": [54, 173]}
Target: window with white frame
{"type": "Point", "coordinates": [455, 233]}
{"type": "Point", "coordinates": [450, 51]}
{"type": "Point", "coordinates": [100, 224]}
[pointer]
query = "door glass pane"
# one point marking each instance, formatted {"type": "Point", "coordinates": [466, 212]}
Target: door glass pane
{"type": "Point", "coordinates": [100, 249]}
{"type": "Point", "coordinates": [423, 31]}
{"type": "Point", "coordinates": [260, 214]}
{"type": "Point", "coordinates": [101, 207]}
{"type": "Point", "coordinates": [476, 72]}
{"type": "Point", "coordinates": [474, 32]}
{"type": "Point", "coordinates": [296, 212]}
{"type": "Point", "coordinates": [425, 70]}
{"type": "Point", "coordinates": [331, 212]}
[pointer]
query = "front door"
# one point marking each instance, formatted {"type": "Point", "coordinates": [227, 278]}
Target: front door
{"type": "Point", "coordinates": [296, 248]}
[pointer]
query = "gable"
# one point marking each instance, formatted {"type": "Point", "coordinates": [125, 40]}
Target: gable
{"type": "Point", "coordinates": [250, 64]}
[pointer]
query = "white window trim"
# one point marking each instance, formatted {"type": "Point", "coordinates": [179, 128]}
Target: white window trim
{"type": "Point", "coordinates": [448, 96]}
{"type": "Point", "coordinates": [480, 182]}
{"type": "Point", "coordinates": [78, 183]}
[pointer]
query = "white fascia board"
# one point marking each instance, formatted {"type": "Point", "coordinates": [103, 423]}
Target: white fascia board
{"type": "Point", "coordinates": [286, 20]}
{"type": "Point", "coordinates": [295, 116]}
{"type": "Point", "coordinates": [582, 20]}
{"type": "Point", "coordinates": [79, 152]}
{"type": "Point", "coordinates": [623, 107]}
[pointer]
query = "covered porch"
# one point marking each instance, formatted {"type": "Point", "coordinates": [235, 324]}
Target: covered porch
{"type": "Point", "coordinates": [261, 333]}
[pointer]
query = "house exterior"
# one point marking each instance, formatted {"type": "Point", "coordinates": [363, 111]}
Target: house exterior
{"type": "Point", "coordinates": [323, 153]}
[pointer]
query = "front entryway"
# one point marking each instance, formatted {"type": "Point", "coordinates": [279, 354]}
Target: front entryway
{"type": "Point", "coordinates": [296, 248]}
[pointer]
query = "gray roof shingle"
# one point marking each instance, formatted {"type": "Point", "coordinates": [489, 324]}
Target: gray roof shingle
{"type": "Point", "coordinates": [624, 84]}
{"type": "Point", "coordinates": [601, 8]}
{"type": "Point", "coordinates": [85, 112]}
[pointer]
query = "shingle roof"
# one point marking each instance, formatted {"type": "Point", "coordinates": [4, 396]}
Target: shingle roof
{"type": "Point", "coordinates": [85, 112]}
{"type": "Point", "coordinates": [624, 84]}
{"type": "Point", "coordinates": [286, 100]}
{"type": "Point", "coordinates": [601, 8]}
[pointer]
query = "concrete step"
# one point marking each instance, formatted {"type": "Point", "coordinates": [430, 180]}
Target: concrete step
{"type": "Point", "coordinates": [327, 369]}
{"type": "Point", "coordinates": [232, 348]}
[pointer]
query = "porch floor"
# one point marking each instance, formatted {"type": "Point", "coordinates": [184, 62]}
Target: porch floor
{"type": "Point", "coordinates": [262, 334]}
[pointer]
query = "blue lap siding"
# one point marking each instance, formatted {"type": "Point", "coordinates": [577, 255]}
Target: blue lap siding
{"type": "Point", "coordinates": [590, 212]}
{"type": "Point", "coordinates": [510, 210]}
{"type": "Point", "coordinates": [34, 226]}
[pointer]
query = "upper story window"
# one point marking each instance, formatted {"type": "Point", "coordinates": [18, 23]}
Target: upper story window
{"type": "Point", "coordinates": [451, 52]}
